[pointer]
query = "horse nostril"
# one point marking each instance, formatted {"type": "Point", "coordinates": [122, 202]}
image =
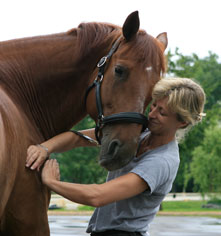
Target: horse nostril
{"type": "Point", "coordinates": [114, 147]}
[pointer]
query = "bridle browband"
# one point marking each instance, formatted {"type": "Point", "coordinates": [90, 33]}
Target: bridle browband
{"type": "Point", "coordinates": [129, 117]}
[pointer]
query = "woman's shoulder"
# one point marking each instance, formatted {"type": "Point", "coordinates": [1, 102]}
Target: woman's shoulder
{"type": "Point", "coordinates": [166, 153]}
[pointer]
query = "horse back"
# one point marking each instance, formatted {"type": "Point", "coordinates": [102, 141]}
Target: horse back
{"type": "Point", "coordinates": [19, 186]}
{"type": "Point", "coordinates": [10, 147]}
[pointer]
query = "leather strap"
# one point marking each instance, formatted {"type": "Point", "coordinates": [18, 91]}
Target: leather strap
{"type": "Point", "coordinates": [129, 117]}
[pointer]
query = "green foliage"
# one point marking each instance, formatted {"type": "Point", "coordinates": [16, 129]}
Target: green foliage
{"type": "Point", "coordinates": [206, 164]}
{"type": "Point", "coordinates": [80, 164]}
{"type": "Point", "coordinates": [207, 72]}
{"type": "Point", "coordinates": [215, 200]}
{"type": "Point", "coordinates": [185, 206]}
{"type": "Point", "coordinates": [85, 208]}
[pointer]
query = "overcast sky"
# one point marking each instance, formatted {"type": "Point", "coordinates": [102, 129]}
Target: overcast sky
{"type": "Point", "coordinates": [194, 26]}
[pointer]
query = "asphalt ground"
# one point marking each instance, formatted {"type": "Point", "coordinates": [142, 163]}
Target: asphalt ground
{"type": "Point", "coordinates": [161, 226]}
{"type": "Point", "coordinates": [72, 222]}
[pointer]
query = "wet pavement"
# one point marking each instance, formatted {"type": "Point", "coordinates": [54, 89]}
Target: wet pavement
{"type": "Point", "coordinates": [161, 226]}
{"type": "Point", "coordinates": [185, 226]}
{"type": "Point", "coordinates": [68, 225]}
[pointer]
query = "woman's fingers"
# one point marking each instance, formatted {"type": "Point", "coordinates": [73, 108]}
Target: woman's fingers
{"type": "Point", "coordinates": [31, 158]}
{"type": "Point", "coordinates": [35, 157]}
{"type": "Point", "coordinates": [38, 162]}
{"type": "Point", "coordinates": [56, 169]}
{"type": "Point", "coordinates": [50, 171]}
{"type": "Point", "coordinates": [30, 151]}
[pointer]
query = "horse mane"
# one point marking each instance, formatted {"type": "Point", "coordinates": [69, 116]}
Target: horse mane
{"type": "Point", "coordinates": [91, 35]}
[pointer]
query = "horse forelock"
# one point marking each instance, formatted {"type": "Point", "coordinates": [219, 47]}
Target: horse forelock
{"type": "Point", "coordinates": [145, 50]}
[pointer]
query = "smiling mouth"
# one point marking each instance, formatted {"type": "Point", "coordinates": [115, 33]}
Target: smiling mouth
{"type": "Point", "coordinates": [153, 123]}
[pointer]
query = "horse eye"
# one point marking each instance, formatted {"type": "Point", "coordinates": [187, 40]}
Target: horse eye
{"type": "Point", "coordinates": [120, 71]}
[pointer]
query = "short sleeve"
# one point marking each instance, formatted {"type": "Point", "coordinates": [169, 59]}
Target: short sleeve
{"type": "Point", "coordinates": [154, 170]}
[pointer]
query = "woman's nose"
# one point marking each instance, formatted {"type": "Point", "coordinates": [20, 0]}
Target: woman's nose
{"type": "Point", "coordinates": [152, 113]}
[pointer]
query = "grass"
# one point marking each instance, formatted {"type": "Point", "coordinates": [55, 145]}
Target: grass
{"type": "Point", "coordinates": [215, 201]}
{"type": "Point", "coordinates": [185, 206]}
{"type": "Point", "coordinates": [85, 208]}
{"type": "Point", "coordinates": [172, 206]}
{"type": "Point", "coordinates": [190, 208]}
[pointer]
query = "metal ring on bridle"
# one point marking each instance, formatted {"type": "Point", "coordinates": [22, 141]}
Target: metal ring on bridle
{"type": "Point", "coordinates": [101, 62]}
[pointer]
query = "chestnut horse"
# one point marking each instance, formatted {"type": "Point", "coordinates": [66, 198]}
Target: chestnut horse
{"type": "Point", "coordinates": [43, 81]}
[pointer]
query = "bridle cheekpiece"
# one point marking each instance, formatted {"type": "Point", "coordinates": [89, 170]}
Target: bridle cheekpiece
{"type": "Point", "coordinates": [129, 117]}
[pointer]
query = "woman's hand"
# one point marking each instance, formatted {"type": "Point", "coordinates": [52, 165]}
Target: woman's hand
{"type": "Point", "coordinates": [50, 171]}
{"type": "Point", "coordinates": [36, 156]}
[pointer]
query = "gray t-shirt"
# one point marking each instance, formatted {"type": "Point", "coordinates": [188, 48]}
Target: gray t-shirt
{"type": "Point", "coordinates": [158, 168]}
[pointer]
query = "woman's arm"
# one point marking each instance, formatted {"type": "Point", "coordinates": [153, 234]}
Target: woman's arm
{"type": "Point", "coordinates": [37, 154]}
{"type": "Point", "coordinates": [96, 195]}
{"type": "Point", "coordinates": [68, 140]}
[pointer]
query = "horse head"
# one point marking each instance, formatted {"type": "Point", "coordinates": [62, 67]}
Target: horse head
{"type": "Point", "coordinates": [134, 64]}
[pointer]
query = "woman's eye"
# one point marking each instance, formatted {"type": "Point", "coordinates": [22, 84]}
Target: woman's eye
{"type": "Point", "coordinates": [163, 114]}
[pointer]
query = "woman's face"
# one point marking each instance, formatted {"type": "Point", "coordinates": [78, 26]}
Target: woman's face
{"type": "Point", "coordinates": [161, 120]}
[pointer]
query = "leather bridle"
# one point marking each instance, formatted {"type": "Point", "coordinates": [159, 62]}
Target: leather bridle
{"type": "Point", "coordinates": [129, 117]}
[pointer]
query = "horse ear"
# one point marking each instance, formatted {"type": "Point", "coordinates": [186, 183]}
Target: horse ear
{"type": "Point", "coordinates": [131, 25]}
{"type": "Point", "coordinates": [163, 39]}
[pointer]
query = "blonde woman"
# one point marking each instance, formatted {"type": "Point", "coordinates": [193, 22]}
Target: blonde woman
{"type": "Point", "coordinates": [129, 200]}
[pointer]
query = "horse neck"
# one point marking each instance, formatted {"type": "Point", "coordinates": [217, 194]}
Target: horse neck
{"type": "Point", "coordinates": [46, 80]}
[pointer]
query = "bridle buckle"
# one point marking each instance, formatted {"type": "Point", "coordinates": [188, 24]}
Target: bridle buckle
{"type": "Point", "coordinates": [99, 78]}
{"type": "Point", "coordinates": [100, 120]}
{"type": "Point", "coordinates": [102, 62]}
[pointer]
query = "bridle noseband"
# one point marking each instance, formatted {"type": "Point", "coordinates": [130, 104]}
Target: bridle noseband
{"type": "Point", "coordinates": [129, 117]}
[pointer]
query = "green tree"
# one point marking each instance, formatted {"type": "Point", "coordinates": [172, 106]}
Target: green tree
{"type": "Point", "coordinates": [206, 71]}
{"type": "Point", "coordinates": [206, 163]}
{"type": "Point", "coordinates": [80, 165]}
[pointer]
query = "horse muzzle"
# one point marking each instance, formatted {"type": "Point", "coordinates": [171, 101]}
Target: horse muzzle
{"type": "Point", "coordinates": [115, 154]}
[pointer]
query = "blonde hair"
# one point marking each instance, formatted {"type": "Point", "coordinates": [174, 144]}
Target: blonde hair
{"type": "Point", "coordinates": [186, 98]}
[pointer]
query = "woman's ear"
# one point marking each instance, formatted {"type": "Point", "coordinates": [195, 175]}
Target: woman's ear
{"type": "Point", "coordinates": [183, 124]}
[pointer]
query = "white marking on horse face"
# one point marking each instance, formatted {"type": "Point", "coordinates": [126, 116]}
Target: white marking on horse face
{"type": "Point", "coordinates": [149, 68]}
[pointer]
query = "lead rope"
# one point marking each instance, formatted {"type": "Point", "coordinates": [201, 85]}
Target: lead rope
{"type": "Point", "coordinates": [85, 137]}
